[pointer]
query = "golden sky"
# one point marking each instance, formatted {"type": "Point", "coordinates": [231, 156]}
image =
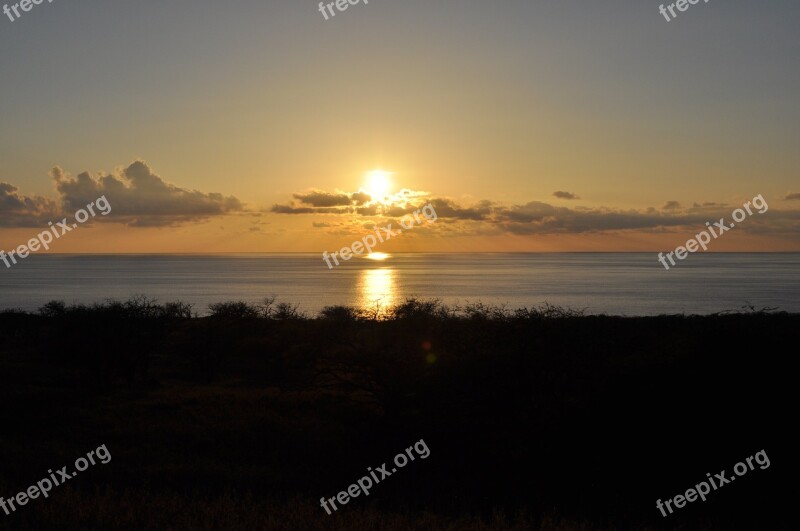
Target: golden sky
{"type": "Point", "coordinates": [547, 126]}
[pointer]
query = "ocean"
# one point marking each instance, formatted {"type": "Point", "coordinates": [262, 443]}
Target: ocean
{"type": "Point", "coordinates": [610, 283]}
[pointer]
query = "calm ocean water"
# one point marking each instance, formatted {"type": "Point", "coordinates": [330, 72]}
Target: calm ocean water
{"type": "Point", "coordinates": [613, 283]}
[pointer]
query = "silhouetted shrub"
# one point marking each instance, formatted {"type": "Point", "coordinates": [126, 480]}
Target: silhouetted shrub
{"type": "Point", "coordinates": [178, 310]}
{"type": "Point", "coordinates": [285, 311]}
{"type": "Point", "coordinates": [339, 313]}
{"type": "Point", "coordinates": [53, 309]}
{"type": "Point", "coordinates": [234, 310]}
{"type": "Point", "coordinates": [414, 308]}
{"type": "Point", "coordinates": [548, 311]}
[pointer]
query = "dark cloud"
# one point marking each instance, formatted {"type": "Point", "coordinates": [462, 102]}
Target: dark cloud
{"type": "Point", "coordinates": [318, 198]}
{"type": "Point", "coordinates": [398, 211]}
{"type": "Point", "coordinates": [537, 217]}
{"type": "Point", "coordinates": [17, 210]}
{"type": "Point", "coordinates": [541, 218]}
{"type": "Point", "coordinates": [359, 198]}
{"type": "Point", "coordinates": [565, 195]}
{"type": "Point", "coordinates": [323, 199]}
{"type": "Point", "coordinates": [291, 209]}
{"type": "Point", "coordinates": [367, 211]}
{"type": "Point", "coordinates": [793, 197]}
{"type": "Point", "coordinates": [288, 209]}
{"type": "Point", "coordinates": [447, 208]}
{"type": "Point", "coordinates": [533, 211]}
{"type": "Point", "coordinates": [141, 198]}
{"type": "Point", "coordinates": [137, 197]}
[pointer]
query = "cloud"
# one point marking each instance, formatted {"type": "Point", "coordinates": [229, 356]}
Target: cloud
{"type": "Point", "coordinates": [397, 211]}
{"type": "Point", "coordinates": [318, 198]}
{"type": "Point", "coordinates": [17, 210]}
{"type": "Point", "coordinates": [708, 205]}
{"type": "Point", "coordinates": [538, 217]}
{"type": "Point", "coordinates": [367, 211]}
{"type": "Point", "coordinates": [565, 195]}
{"type": "Point", "coordinates": [541, 218]}
{"type": "Point", "coordinates": [141, 198]}
{"type": "Point", "coordinates": [138, 197]}
{"type": "Point", "coordinates": [360, 198]}
{"type": "Point", "coordinates": [321, 202]}
{"type": "Point", "coordinates": [323, 199]}
{"type": "Point", "coordinates": [290, 209]}
{"type": "Point", "coordinates": [447, 208]}
{"type": "Point", "coordinates": [793, 197]}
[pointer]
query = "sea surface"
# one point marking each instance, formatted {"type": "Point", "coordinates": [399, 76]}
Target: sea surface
{"type": "Point", "coordinates": [611, 283]}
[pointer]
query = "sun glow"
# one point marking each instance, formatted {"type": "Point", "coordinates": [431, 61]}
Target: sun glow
{"type": "Point", "coordinates": [377, 256]}
{"type": "Point", "coordinates": [378, 184]}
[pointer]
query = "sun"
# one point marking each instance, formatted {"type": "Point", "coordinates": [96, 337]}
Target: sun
{"type": "Point", "coordinates": [378, 183]}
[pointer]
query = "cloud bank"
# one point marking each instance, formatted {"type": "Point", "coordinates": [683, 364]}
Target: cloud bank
{"type": "Point", "coordinates": [537, 217]}
{"type": "Point", "coordinates": [17, 210]}
{"type": "Point", "coordinates": [139, 198]}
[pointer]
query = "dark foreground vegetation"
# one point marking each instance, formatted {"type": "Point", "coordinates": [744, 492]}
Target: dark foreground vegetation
{"type": "Point", "coordinates": [535, 419]}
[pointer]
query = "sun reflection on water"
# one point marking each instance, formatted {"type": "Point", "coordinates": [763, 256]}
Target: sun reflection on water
{"type": "Point", "coordinates": [377, 288]}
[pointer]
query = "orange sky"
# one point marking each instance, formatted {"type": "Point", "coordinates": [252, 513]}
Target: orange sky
{"type": "Point", "coordinates": [536, 127]}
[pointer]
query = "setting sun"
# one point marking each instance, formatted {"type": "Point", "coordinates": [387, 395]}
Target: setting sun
{"type": "Point", "coordinates": [378, 183]}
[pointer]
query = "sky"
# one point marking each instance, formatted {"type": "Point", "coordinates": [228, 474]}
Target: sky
{"type": "Point", "coordinates": [254, 126]}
